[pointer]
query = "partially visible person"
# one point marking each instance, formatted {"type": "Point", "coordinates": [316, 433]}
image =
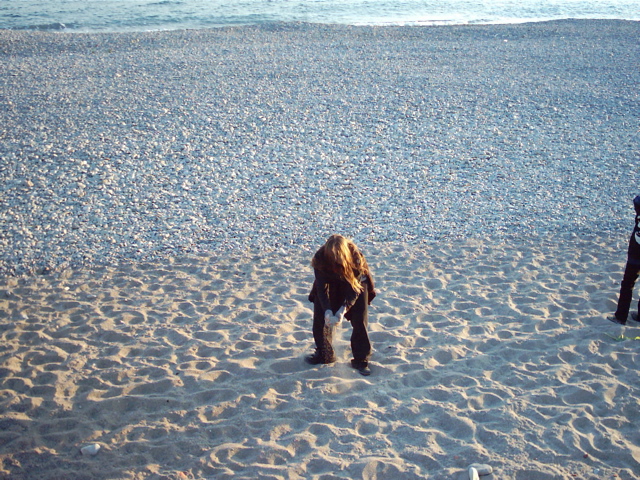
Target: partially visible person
{"type": "Point", "coordinates": [631, 272]}
{"type": "Point", "coordinates": [343, 288]}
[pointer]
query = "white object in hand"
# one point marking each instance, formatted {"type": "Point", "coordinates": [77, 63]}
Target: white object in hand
{"type": "Point", "coordinates": [482, 468]}
{"type": "Point", "coordinates": [332, 321]}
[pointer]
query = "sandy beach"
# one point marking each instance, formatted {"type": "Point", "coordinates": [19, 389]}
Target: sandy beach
{"type": "Point", "coordinates": [164, 193]}
{"type": "Point", "coordinates": [193, 368]}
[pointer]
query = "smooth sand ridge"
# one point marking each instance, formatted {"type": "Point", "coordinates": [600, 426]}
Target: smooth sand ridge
{"type": "Point", "coordinates": [484, 352]}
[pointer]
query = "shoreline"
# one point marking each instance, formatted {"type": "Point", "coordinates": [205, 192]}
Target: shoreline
{"type": "Point", "coordinates": [61, 28]}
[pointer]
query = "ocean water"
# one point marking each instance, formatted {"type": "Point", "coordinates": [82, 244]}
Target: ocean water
{"type": "Point", "coordinates": [141, 15]}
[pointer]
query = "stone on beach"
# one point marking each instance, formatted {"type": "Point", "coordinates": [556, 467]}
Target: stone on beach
{"type": "Point", "coordinates": [90, 449]}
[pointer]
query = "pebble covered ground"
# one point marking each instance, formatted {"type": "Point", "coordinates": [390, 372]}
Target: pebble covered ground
{"type": "Point", "coordinates": [139, 145]}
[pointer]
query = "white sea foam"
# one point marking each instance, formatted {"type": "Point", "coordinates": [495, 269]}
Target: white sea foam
{"type": "Point", "coordinates": [143, 15]}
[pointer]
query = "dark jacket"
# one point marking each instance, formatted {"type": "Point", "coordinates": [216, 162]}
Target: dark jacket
{"type": "Point", "coordinates": [634, 241]}
{"type": "Point", "coordinates": [333, 291]}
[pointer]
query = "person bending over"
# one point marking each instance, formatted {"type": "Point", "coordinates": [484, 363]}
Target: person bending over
{"type": "Point", "coordinates": [631, 272]}
{"type": "Point", "coordinates": [343, 288]}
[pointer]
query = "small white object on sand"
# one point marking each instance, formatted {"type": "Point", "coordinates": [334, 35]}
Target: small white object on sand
{"type": "Point", "coordinates": [482, 468]}
{"type": "Point", "coordinates": [473, 474]}
{"type": "Point", "coordinates": [90, 449]}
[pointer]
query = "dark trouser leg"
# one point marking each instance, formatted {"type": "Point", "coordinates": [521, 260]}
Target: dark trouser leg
{"type": "Point", "coordinates": [322, 335]}
{"type": "Point", "coordinates": [360, 344]}
{"type": "Point", "coordinates": [626, 291]}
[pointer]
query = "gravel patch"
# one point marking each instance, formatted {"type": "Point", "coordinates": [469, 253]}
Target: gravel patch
{"type": "Point", "coordinates": [141, 145]}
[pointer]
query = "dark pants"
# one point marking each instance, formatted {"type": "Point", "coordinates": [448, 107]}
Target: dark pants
{"type": "Point", "coordinates": [323, 336]}
{"type": "Point", "coordinates": [631, 272]}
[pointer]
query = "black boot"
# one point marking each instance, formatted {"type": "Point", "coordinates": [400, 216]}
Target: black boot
{"type": "Point", "coordinates": [362, 366]}
{"type": "Point", "coordinates": [318, 359]}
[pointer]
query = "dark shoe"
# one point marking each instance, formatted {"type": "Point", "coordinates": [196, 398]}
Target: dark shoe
{"type": "Point", "coordinates": [615, 319]}
{"type": "Point", "coordinates": [361, 366]}
{"type": "Point", "coordinates": [316, 359]}
{"type": "Point", "coordinates": [635, 317]}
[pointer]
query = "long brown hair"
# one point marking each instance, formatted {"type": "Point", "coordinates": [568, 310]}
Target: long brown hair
{"type": "Point", "coordinates": [342, 257]}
